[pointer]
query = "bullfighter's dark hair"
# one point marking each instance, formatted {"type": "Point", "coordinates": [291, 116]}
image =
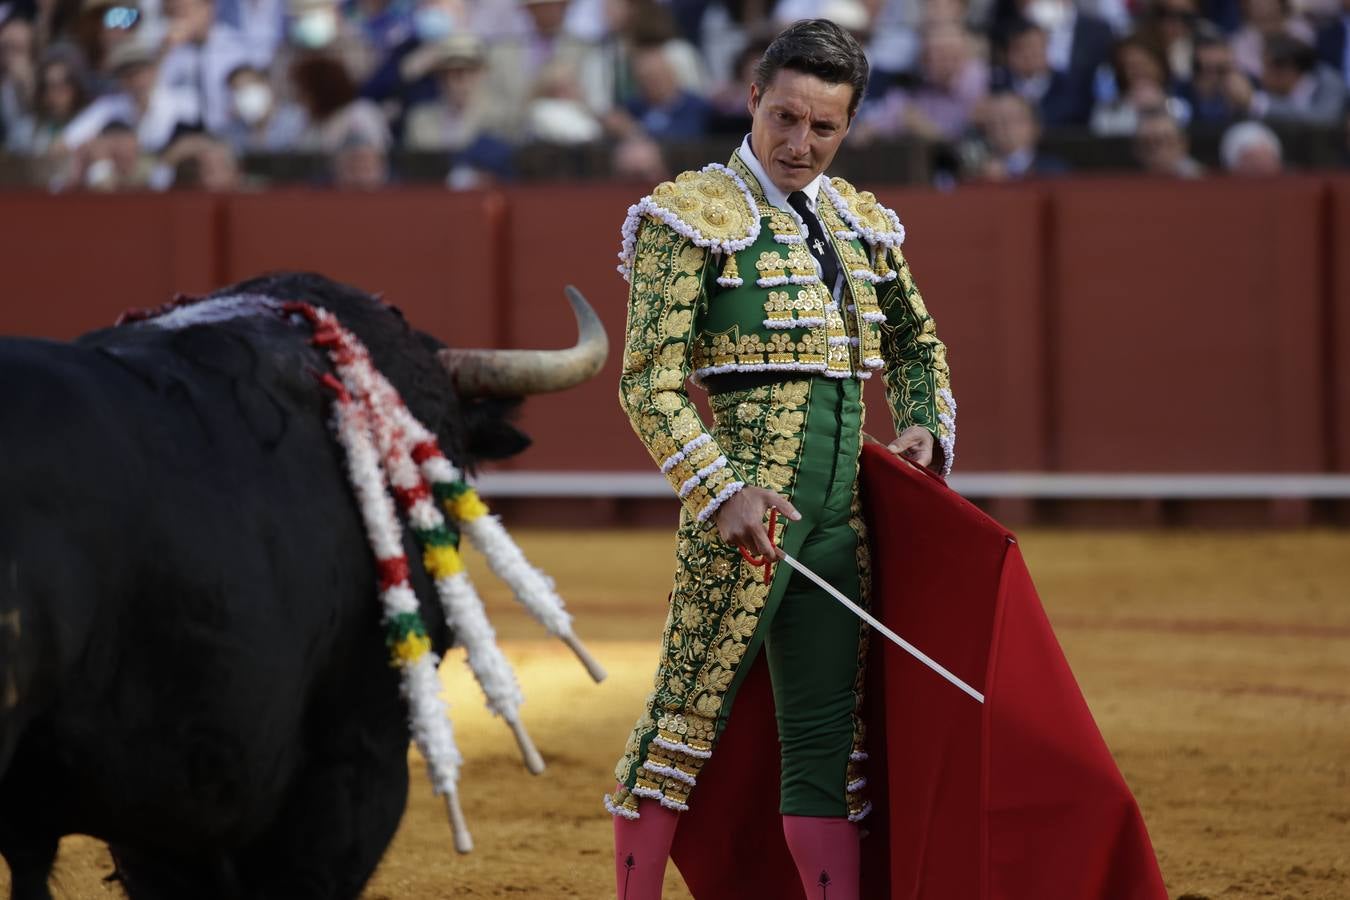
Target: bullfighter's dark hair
{"type": "Point", "coordinates": [817, 47]}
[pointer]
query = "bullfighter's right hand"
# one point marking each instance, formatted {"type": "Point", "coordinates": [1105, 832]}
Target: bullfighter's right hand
{"type": "Point", "coordinates": [740, 521]}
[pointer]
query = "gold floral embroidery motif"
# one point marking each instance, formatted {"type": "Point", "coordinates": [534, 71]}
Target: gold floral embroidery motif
{"type": "Point", "coordinates": [795, 303]}
{"type": "Point", "coordinates": [771, 265]}
{"type": "Point", "coordinates": [864, 205]}
{"type": "Point", "coordinates": [779, 306]}
{"type": "Point", "coordinates": [919, 370]}
{"type": "Point", "coordinates": [780, 223]}
{"type": "Point", "coordinates": [667, 287]}
{"type": "Point", "coordinates": [865, 296]}
{"type": "Point", "coordinates": [856, 767]}
{"type": "Point", "coordinates": [708, 202]}
{"type": "Point", "coordinates": [749, 349]}
{"type": "Point", "coordinates": [800, 262]}
{"type": "Point", "coordinates": [850, 252]}
{"type": "Point", "coordinates": [715, 604]}
{"type": "Point", "coordinates": [862, 295]}
{"type": "Point", "coordinates": [737, 165]}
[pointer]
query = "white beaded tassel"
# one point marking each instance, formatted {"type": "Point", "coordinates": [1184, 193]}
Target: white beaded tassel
{"type": "Point", "coordinates": [422, 688]}
{"type": "Point", "coordinates": [531, 587]}
{"type": "Point", "coordinates": [428, 716]}
{"type": "Point", "coordinates": [460, 603]}
{"type": "Point", "coordinates": [465, 614]}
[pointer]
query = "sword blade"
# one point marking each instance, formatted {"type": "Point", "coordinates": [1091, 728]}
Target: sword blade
{"type": "Point", "coordinates": [876, 624]}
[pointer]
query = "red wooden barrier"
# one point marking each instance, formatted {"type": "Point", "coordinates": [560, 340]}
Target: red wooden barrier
{"type": "Point", "coordinates": [72, 264]}
{"type": "Point", "coordinates": [977, 256]}
{"type": "Point", "coordinates": [1186, 327]}
{"type": "Point", "coordinates": [1338, 328]}
{"type": "Point", "coordinates": [569, 235]}
{"type": "Point", "coordinates": [1105, 325]}
{"type": "Point", "coordinates": [433, 254]}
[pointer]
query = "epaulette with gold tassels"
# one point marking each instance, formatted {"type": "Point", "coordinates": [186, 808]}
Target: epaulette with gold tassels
{"type": "Point", "coordinates": [868, 220]}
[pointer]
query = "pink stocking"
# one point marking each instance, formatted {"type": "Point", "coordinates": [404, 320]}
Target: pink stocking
{"type": "Point", "coordinates": [826, 853]}
{"type": "Point", "coordinates": [641, 848]}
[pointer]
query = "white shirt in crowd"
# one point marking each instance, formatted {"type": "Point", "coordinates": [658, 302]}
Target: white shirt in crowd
{"type": "Point", "coordinates": [202, 69]}
{"type": "Point", "coordinates": [166, 110]}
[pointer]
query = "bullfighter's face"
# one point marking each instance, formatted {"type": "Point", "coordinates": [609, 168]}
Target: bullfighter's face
{"type": "Point", "coordinates": [798, 123]}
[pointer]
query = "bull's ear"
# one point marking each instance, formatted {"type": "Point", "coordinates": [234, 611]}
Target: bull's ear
{"type": "Point", "coordinates": [491, 435]}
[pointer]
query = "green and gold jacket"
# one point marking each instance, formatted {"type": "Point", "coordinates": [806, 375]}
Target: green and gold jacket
{"type": "Point", "coordinates": [720, 281]}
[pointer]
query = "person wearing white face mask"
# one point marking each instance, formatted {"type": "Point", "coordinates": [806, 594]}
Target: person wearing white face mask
{"type": "Point", "coordinates": [198, 53]}
{"type": "Point", "coordinates": [259, 122]}
{"type": "Point", "coordinates": [314, 26]}
{"type": "Point", "coordinates": [318, 26]}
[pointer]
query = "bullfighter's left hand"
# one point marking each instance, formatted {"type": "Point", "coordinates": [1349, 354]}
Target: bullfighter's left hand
{"type": "Point", "coordinates": [915, 443]}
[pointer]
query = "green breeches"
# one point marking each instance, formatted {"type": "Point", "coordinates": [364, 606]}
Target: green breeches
{"type": "Point", "coordinates": [801, 439]}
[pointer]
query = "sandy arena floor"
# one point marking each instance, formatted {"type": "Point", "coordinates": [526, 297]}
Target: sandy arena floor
{"type": "Point", "coordinates": [1217, 665]}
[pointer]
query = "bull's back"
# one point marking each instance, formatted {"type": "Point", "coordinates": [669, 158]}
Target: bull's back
{"type": "Point", "coordinates": [48, 468]}
{"type": "Point", "coordinates": [175, 547]}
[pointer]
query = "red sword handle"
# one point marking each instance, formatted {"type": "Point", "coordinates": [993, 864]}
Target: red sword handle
{"type": "Point", "coordinates": [765, 561]}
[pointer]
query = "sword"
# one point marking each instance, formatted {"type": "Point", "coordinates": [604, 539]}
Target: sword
{"type": "Point", "coordinates": [863, 614]}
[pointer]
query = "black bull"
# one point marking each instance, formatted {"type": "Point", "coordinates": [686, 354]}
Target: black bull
{"type": "Point", "coordinates": [192, 665]}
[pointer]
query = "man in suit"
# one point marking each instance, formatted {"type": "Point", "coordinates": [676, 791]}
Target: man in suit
{"type": "Point", "coordinates": [1011, 135]}
{"type": "Point", "coordinates": [1077, 44]}
{"type": "Point", "coordinates": [1219, 91]}
{"type": "Point", "coordinates": [1027, 72]}
{"type": "Point", "coordinates": [1295, 87]}
{"type": "Point", "coordinates": [1333, 43]}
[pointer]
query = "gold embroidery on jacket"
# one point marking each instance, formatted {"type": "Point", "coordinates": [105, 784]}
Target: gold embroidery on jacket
{"type": "Point", "coordinates": [708, 202]}
{"type": "Point", "coordinates": [715, 604]}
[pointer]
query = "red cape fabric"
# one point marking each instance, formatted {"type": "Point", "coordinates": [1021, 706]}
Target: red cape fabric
{"type": "Point", "coordinates": [1015, 799]}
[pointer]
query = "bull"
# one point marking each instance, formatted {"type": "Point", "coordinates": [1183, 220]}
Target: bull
{"type": "Point", "coordinates": [192, 667]}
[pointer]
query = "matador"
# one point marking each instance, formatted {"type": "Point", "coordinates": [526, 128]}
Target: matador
{"type": "Point", "coordinates": [779, 291]}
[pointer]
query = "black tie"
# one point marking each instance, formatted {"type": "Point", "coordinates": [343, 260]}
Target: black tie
{"type": "Point", "coordinates": [816, 242]}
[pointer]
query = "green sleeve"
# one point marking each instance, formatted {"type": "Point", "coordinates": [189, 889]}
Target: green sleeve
{"type": "Point", "coordinates": [669, 275]}
{"type": "Point", "coordinates": [918, 382]}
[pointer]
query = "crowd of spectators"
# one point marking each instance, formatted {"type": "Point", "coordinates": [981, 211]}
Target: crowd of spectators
{"type": "Point", "coordinates": [111, 94]}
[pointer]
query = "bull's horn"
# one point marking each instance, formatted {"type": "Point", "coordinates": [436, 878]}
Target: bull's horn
{"type": "Point", "coordinates": [516, 373]}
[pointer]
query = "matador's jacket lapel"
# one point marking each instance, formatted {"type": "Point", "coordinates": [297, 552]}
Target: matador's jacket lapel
{"type": "Point", "coordinates": [721, 281]}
